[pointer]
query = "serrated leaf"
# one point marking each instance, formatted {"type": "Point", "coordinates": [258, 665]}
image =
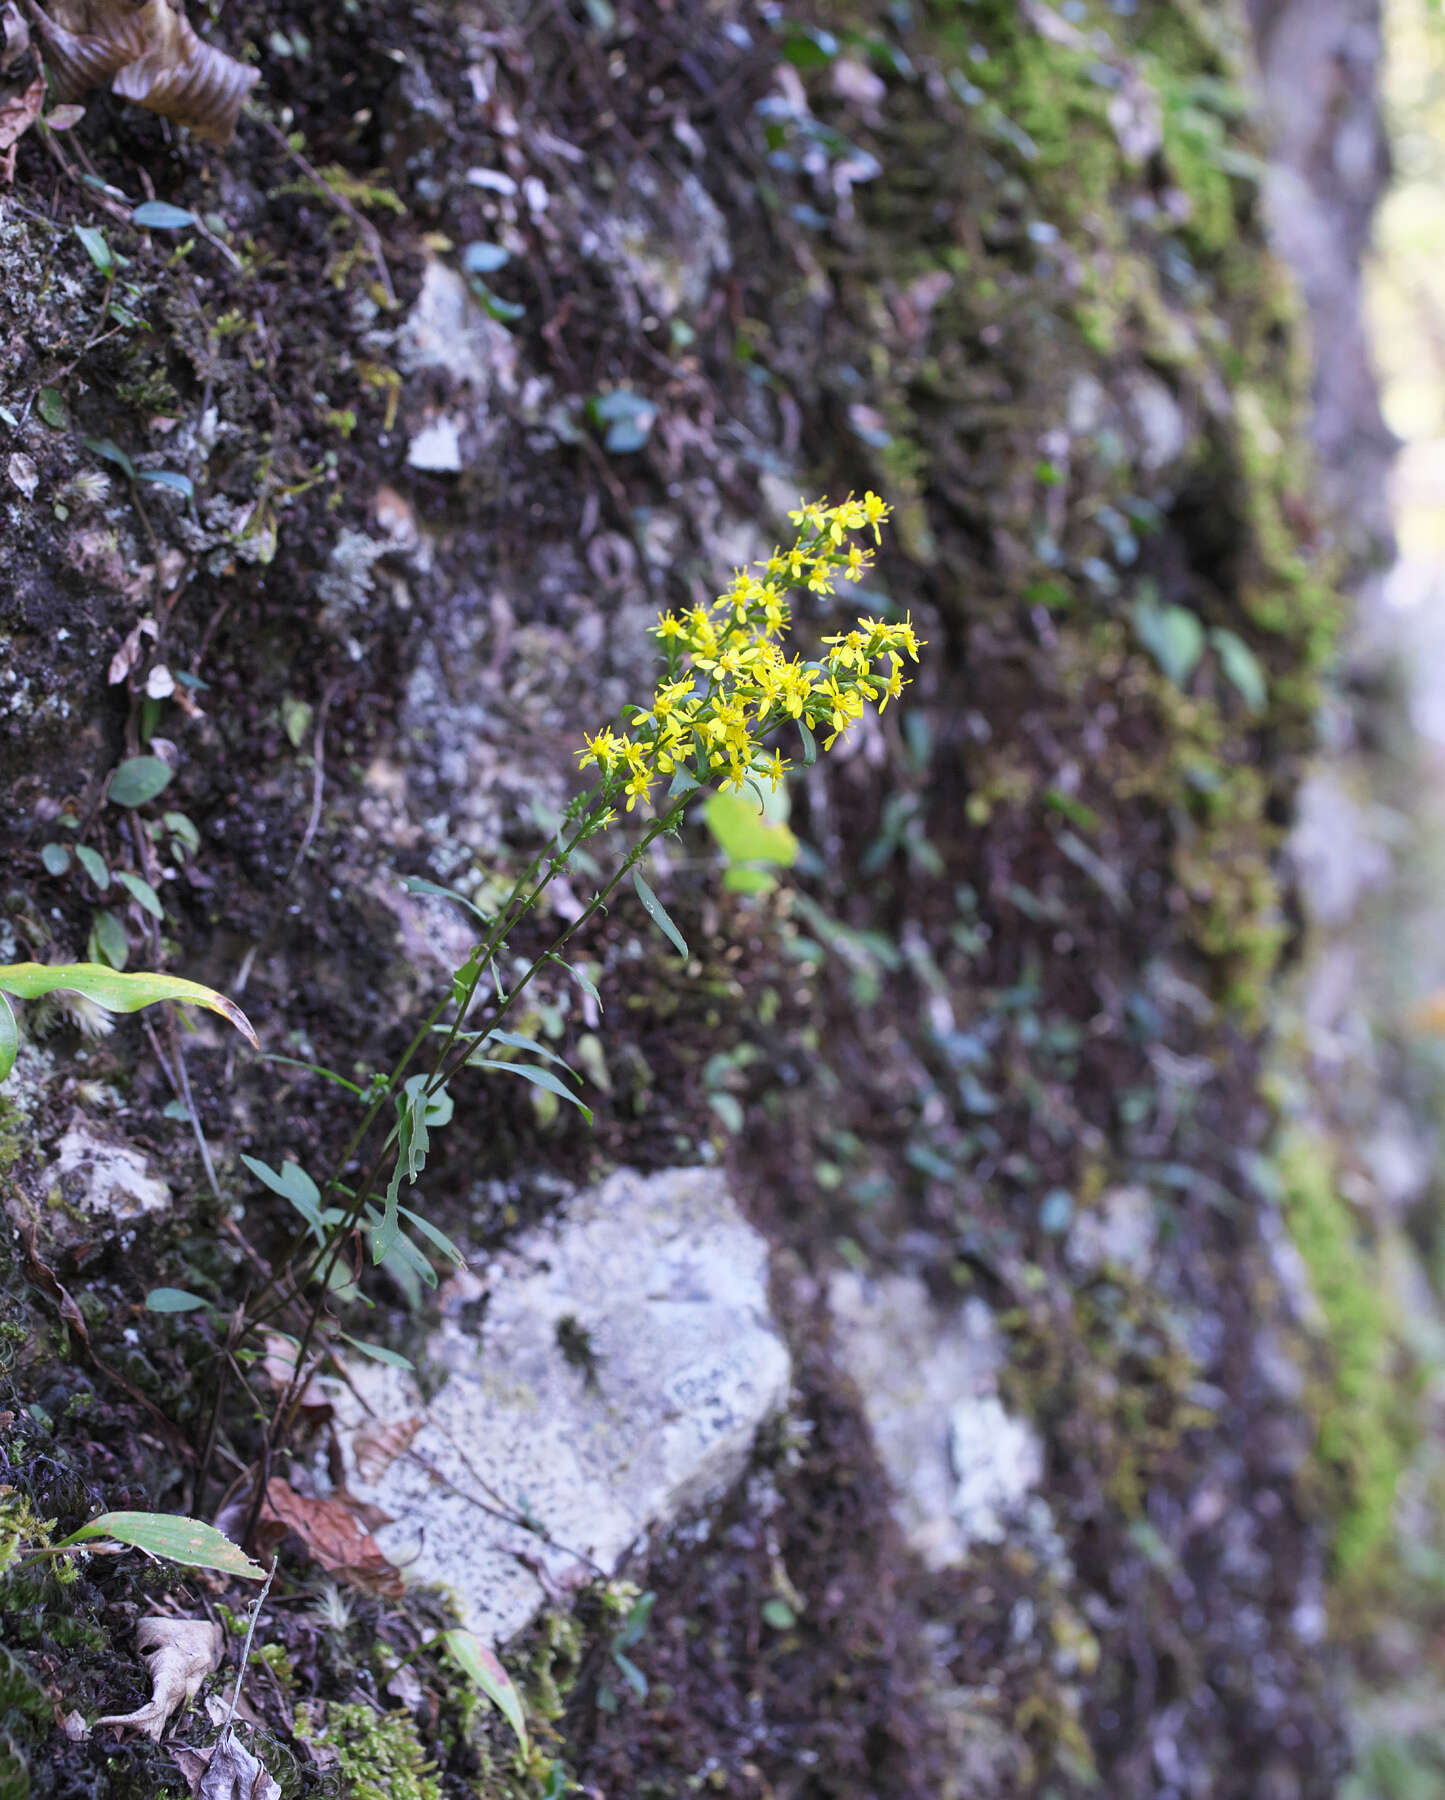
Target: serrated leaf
{"type": "Point", "coordinates": [96, 247]}
{"type": "Point", "coordinates": [9, 1038]}
{"type": "Point", "coordinates": [138, 779]}
{"type": "Point", "coordinates": [94, 865]}
{"type": "Point", "coordinates": [117, 992]}
{"type": "Point", "coordinates": [657, 912]}
{"type": "Point", "coordinates": [142, 892]}
{"type": "Point", "coordinates": [379, 1353]}
{"type": "Point", "coordinates": [542, 1078]}
{"type": "Point", "coordinates": [482, 1666]}
{"type": "Point", "coordinates": [180, 1540]}
{"type": "Point", "coordinates": [112, 452]}
{"type": "Point", "coordinates": [160, 215]}
{"type": "Point", "coordinates": [171, 478]}
{"type": "Point", "coordinates": [173, 1300]}
{"type": "Point", "coordinates": [55, 857]}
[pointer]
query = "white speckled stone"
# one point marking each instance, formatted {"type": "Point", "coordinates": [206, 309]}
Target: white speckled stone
{"type": "Point", "coordinates": [961, 1466]}
{"type": "Point", "coordinates": [670, 1284]}
{"type": "Point", "coordinates": [108, 1176]}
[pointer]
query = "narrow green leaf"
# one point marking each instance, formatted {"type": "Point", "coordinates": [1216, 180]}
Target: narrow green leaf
{"type": "Point", "coordinates": [173, 1300]}
{"type": "Point", "coordinates": [438, 1239]}
{"type": "Point", "coordinates": [55, 857]}
{"type": "Point", "coordinates": [94, 865]}
{"type": "Point", "coordinates": [160, 215]}
{"type": "Point", "coordinates": [515, 1041]}
{"type": "Point", "coordinates": [142, 892]}
{"type": "Point", "coordinates": [657, 912]}
{"type": "Point", "coordinates": [108, 939]}
{"type": "Point", "coordinates": [112, 452]}
{"type": "Point", "coordinates": [138, 779]}
{"type": "Point", "coordinates": [1241, 666]}
{"type": "Point", "coordinates": [579, 975]}
{"type": "Point", "coordinates": [9, 1038]}
{"type": "Point", "coordinates": [117, 992]}
{"type": "Point", "coordinates": [177, 1539]}
{"type": "Point", "coordinates": [417, 884]}
{"type": "Point", "coordinates": [96, 247]}
{"type": "Point", "coordinates": [408, 1268]}
{"type": "Point", "coordinates": [291, 1062]}
{"type": "Point", "coordinates": [295, 1186]}
{"type": "Point", "coordinates": [378, 1353]}
{"type": "Point", "coordinates": [810, 745]}
{"type": "Point", "coordinates": [683, 782]}
{"type": "Point", "coordinates": [481, 1665]}
{"type": "Point", "coordinates": [542, 1078]}
{"type": "Point", "coordinates": [630, 1673]}
{"type": "Point", "coordinates": [170, 478]}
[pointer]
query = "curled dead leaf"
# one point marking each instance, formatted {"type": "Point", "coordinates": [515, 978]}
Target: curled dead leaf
{"type": "Point", "coordinates": [150, 54]}
{"type": "Point", "coordinates": [18, 112]}
{"type": "Point", "coordinates": [227, 1771]}
{"type": "Point", "coordinates": [335, 1537]}
{"type": "Point", "coordinates": [377, 1449]}
{"type": "Point", "coordinates": [181, 1654]}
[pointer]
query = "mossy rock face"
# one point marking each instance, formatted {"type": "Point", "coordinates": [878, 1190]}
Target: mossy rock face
{"type": "Point", "coordinates": [1004, 266]}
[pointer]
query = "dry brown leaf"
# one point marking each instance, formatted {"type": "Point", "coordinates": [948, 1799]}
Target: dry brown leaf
{"type": "Point", "coordinates": [150, 54]}
{"type": "Point", "coordinates": [126, 658]}
{"type": "Point", "coordinates": [227, 1771]}
{"type": "Point", "coordinates": [18, 112]}
{"type": "Point", "coordinates": [181, 1654]}
{"type": "Point", "coordinates": [335, 1537]}
{"type": "Point", "coordinates": [377, 1449]}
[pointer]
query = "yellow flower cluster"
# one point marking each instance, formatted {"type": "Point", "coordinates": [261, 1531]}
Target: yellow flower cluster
{"type": "Point", "coordinates": [729, 683]}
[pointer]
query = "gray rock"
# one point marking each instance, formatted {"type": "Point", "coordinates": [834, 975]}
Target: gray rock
{"type": "Point", "coordinates": [961, 1467]}
{"type": "Point", "coordinates": [620, 1372]}
{"type": "Point", "coordinates": [105, 1175]}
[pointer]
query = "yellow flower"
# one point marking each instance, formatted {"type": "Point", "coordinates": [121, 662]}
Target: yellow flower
{"type": "Point", "coordinates": [875, 512]}
{"type": "Point", "coordinates": [637, 787]}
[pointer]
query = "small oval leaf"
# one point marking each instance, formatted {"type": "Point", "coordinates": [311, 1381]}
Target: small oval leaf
{"type": "Point", "coordinates": [142, 892]}
{"type": "Point", "coordinates": [94, 865]}
{"type": "Point", "coordinates": [138, 779]}
{"type": "Point", "coordinates": [160, 215]}
{"type": "Point", "coordinates": [173, 1300]}
{"type": "Point", "coordinates": [170, 478]}
{"type": "Point", "coordinates": [55, 857]}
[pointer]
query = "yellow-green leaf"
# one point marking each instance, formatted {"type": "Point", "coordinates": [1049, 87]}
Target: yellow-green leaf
{"type": "Point", "coordinates": [482, 1666]}
{"type": "Point", "coordinates": [117, 992]}
{"type": "Point", "coordinates": [174, 1537]}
